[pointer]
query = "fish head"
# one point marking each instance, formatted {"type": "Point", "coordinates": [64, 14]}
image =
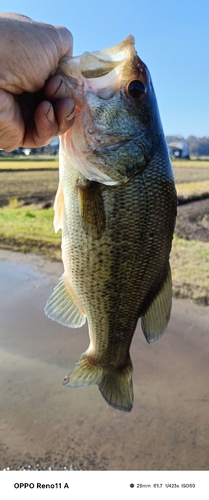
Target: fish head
{"type": "Point", "coordinates": [117, 126]}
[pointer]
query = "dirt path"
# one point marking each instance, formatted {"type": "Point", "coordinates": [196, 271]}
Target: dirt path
{"type": "Point", "coordinates": [193, 220]}
{"type": "Point", "coordinates": [42, 422]}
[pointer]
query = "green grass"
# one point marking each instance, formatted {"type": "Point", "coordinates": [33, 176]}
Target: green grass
{"type": "Point", "coordinates": [29, 229]}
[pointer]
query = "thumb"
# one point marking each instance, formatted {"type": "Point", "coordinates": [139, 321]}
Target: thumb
{"type": "Point", "coordinates": [12, 127]}
{"type": "Point", "coordinates": [66, 41]}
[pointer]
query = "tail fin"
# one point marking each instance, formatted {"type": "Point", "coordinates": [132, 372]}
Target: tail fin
{"type": "Point", "coordinates": [115, 385]}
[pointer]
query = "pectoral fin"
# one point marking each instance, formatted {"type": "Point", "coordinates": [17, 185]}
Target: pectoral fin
{"type": "Point", "coordinates": [62, 308]}
{"type": "Point", "coordinates": [58, 209]}
{"type": "Point", "coordinates": [91, 209]}
{"type": "Point", "coordinates": [156, 318]}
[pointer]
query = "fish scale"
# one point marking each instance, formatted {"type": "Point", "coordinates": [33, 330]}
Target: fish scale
{"type": "Point", "coordinates": [116, 206]}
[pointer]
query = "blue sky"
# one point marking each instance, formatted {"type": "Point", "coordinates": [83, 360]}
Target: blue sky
{"type": "Point", "coordinates": [172, 38]}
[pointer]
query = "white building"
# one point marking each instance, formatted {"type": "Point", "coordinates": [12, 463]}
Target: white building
{"type": "Point", "coordinates": [178, 149]}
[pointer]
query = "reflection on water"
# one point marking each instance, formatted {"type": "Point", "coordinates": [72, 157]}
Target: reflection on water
{"type": "Point", "coordinates": [41, 420]}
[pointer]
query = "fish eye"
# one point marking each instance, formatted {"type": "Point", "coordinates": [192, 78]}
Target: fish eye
{"type": "Point", "coordinates": [136, 89]}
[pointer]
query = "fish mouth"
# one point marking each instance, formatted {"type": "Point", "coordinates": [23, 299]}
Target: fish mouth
{"type": "Point", "coordinates": [100, 63]}
{"type": "Point", "coordinates": [118, 143]}
{"type": "Point", "coordinates": [113, 146]}
{"type": "Point", "coordinates": [98, 72]}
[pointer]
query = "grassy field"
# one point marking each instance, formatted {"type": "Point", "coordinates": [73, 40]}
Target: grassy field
{"type": "Point", "coordinates": [29, 186]}
{"type": "Point", "coordinates": [190, 163]}
{"type": "Point", "coordinates": [30, 228]}
{"type": "Point", "coordinates": [36, 183]}
{"type": "Point", "coordinates": [190, 269]}
{"type": "Point", "coordinates": [28, 162]}
{"type": "Point", "coordinates": [189, 190]}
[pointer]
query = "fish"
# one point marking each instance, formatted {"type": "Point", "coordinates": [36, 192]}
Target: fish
{"type": "Point", "coordinates": [116, 207]}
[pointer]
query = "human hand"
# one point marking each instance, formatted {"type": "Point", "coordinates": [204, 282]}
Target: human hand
{"type": "Point", "coordinates": [35, 104]}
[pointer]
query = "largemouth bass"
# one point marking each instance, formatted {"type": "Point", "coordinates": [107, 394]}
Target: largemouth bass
{"type": "Point", "coordinates": [116, 207]}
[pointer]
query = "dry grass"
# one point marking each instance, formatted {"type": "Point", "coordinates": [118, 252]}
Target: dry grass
{"type": "Point", "coordinates": [28, 164]}
{"type": "Point", "coordinates": [191, 178]}
{"type": "Point", "coordinates": [189, 190]}
{"type": "Point", "coordinates": [190, 269]}
{"type": "Point", "coordinates": [183, 175]}
{"type": "Point", "coordinates": [190, 163]}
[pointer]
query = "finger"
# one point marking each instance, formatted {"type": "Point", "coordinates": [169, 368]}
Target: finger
{"type": "Point", "coordinates": [49, 122]}
{"type": "Point", "coordinates": [12, 127]}
{"type": "Point", "coordinates": [65, 112]}
{"type": "Point", "coordinates": [56, 88]}
{"type": "Point", "coordinates": [42, 128]}
{"type": "Point", "coordinates": [66, 39]}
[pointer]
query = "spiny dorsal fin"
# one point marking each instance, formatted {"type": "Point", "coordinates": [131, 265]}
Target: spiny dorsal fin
{"type": "Point", "coordinates": [62, 308]}
{"type": "Point", "coordinates": [115, 386]}
{"type": "Point", "coordinates": [156, 318]}
{"type": "Point", "coordinates": [91, 208]}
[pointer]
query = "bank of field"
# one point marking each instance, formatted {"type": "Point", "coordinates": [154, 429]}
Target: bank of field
{"type": "Point", "coordinates": [28, 227]}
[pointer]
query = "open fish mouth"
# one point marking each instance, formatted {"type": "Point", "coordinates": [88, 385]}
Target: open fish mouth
{"type": "Point", "coordinates": [100, 63]}
{"type": "Point", "coordinates": [98, 72]}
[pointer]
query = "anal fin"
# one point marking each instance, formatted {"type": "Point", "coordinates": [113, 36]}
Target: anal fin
{"type": "Point", "coordinates": [156, 317]}
{"type": "Point", "coordinates": [62, 308]}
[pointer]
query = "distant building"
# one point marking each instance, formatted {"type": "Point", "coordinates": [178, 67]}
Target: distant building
{"type": "Point", "coordinates": [53, 147]}
{"type": "Point", "coordinates": [178, 149]}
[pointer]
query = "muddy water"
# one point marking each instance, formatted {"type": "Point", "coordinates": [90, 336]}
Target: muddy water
{"type": "Point", "coordinates": [41, 421]}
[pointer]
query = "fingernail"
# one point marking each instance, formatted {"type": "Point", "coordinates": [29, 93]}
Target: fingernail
{"type": "Point", "coordinates": [70, 116]}
{"type": "Point", "coordinates": [50, 114]}
{"type": "Point", "coordinates": [60, 82]}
